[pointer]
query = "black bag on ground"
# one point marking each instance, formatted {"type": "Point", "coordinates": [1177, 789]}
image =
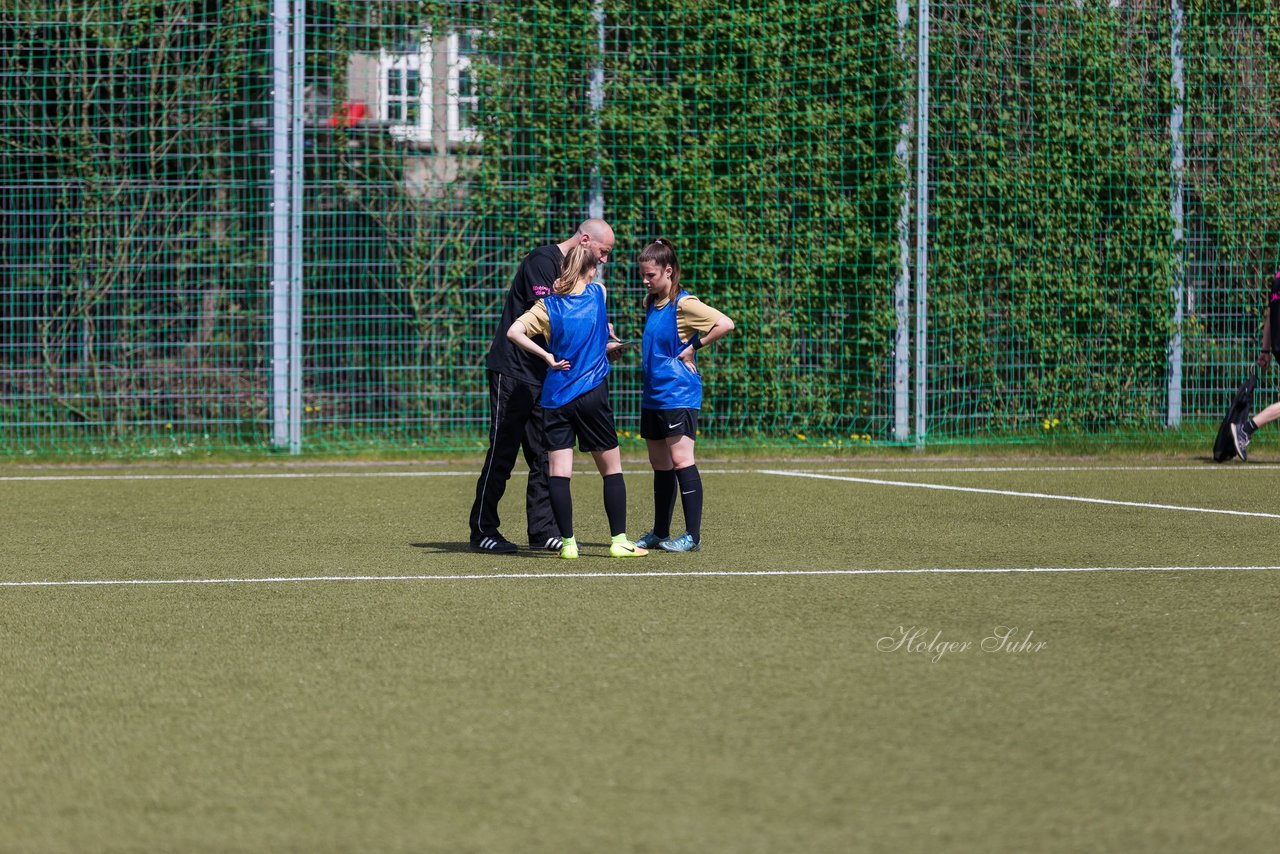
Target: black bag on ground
{"type": "Point", "coordinates": [1273, 315]}
{"type": "Point", "coordinates": [1224, 447]}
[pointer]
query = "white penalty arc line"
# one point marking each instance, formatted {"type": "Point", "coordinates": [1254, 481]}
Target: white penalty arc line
{"type": "Point", "coordinates": [1013, 494]}
{"type": "Point", "coordinates": [713, 573]}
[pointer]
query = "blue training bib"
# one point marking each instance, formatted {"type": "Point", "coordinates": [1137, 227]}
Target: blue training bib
{"type": "Point", "coordinates": [579, 333]}
{"type": "Point", "coordinates": [668, 383]}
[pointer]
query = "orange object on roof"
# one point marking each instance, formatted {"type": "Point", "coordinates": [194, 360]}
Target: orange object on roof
{"type": "Point", "coordinates": [353, 112]}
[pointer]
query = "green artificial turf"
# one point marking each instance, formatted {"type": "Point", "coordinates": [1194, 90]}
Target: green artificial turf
{"type": "Point", "coordinates": [595, 709]}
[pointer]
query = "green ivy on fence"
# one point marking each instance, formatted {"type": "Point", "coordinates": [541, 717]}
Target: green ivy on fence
{"type": "Point", "coordinates": [773, 143]}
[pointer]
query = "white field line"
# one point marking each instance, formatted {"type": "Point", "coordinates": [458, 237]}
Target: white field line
{"type": "Point", "coordinates": [302, 475]}
{"type": "Point", "coordinates": [240, 476]}
{"type": "Point", "coordinates": [1011, 493]}
{"type": "Point", "coordinates": [999, 469]}
{"type": "Point", "coordinates": [534, 576]}
{"type": "Point", "coordinates": [633, 473]}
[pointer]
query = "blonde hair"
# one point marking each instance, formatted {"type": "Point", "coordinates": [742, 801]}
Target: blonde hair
{"type": "Point", "coordinates": [577, 265]}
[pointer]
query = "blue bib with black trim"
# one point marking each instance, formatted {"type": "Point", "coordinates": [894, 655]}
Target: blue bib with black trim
{"type": "Point", "coordinates": [668, 382]}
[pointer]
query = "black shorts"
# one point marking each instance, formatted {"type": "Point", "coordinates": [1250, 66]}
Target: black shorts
{"type": "Point", "coordinates": [587, 417]}
{"type": "Point", "coordinates": [664, 423]}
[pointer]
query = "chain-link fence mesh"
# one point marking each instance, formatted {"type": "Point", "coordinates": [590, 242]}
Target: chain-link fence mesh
{"type": "Point", "coordinates": [1090, 257]}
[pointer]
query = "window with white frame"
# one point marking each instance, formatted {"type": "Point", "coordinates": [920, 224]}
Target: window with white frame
{"type": "Point", "coordinates": [404, 101]}
{"type": "Point", "coordinates": [464, 100]}
{"type": "Point", "coordinates": [405, 88]}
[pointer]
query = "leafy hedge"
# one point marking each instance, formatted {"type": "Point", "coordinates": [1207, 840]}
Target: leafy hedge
{"type": "Point", "coordinates": [728, 131]}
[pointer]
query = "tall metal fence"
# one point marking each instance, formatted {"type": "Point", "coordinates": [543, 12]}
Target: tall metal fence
{"type": "Point", "coordinates": [277, 224]}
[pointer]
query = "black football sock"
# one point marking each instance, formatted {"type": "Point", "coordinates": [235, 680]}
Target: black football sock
{"type": "Point", "coordinates": [1250, 426]}
{"type": "Point", "coordinates": [561, 504]}
{"type": "Point", "coordinates": [691, 500]}
{"type": "Point", "coordinates": [615, 503]}
{"type": "Point", "coordinates": [664, 502]}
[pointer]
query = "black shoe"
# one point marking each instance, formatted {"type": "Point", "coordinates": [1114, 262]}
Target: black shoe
{"type": "Point", "coordinates": [494, 545]}
{"type": "Point", "coordinates": [552, 544]}
{"type": "Point", "coordinates": [1241, 438]}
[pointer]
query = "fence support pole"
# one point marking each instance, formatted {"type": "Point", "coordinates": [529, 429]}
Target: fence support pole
{"type": "Point", "coordinates": [280, 222]}
{"type": "Point", "coordinates": [1178, 212]}
{"type": "Point", "coordinates": [595, 94]}
{"type": "Point", "coordinates": [902, 289]}
{"type": "Point", "coordinates": [297, 105]}
{"type": "Point", "coordinates": [922, 220]}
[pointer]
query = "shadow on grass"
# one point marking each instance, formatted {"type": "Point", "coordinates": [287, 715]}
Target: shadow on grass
{"type": "Point", "coordinates": [464, 547]}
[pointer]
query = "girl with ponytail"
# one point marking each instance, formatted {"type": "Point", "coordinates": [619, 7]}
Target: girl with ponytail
{"type": "Point", "coordinates": [677, 325]}
{"type": "Point", "coordinates": [575, 394]}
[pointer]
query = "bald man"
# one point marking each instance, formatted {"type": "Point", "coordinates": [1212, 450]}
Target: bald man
{"type": "Point", "coordinates": [515, 416]}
